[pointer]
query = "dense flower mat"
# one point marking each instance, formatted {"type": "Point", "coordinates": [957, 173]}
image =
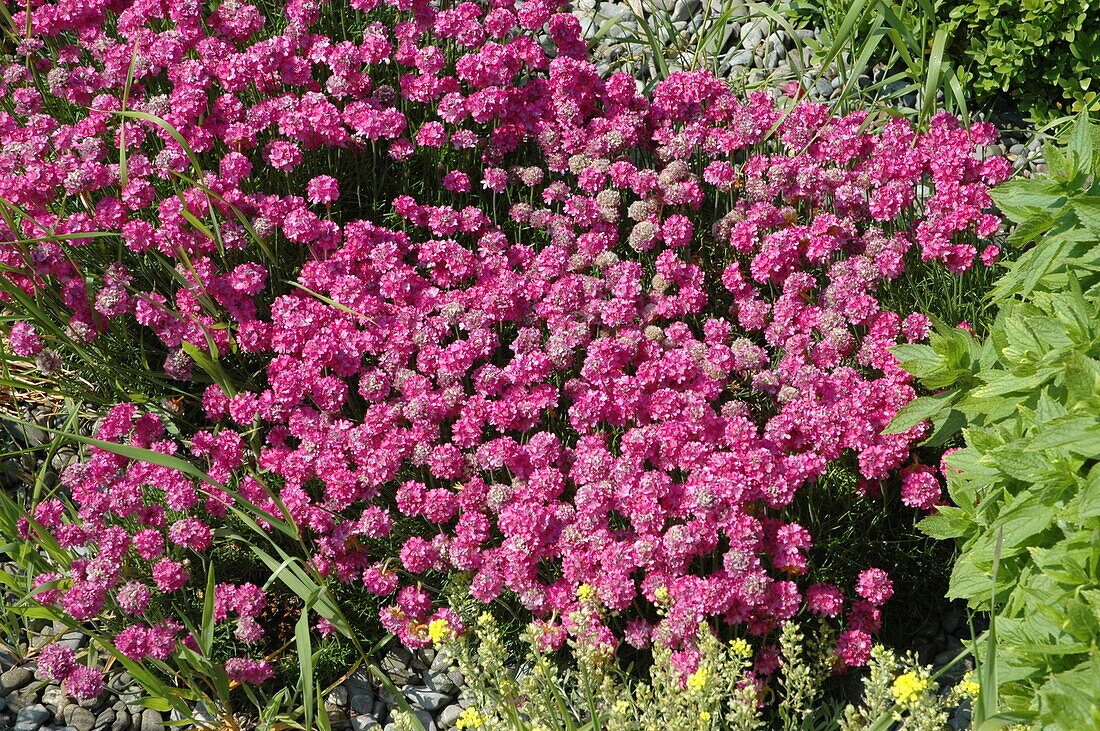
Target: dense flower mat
{"type": "Point", "coordinates": [638, 327]}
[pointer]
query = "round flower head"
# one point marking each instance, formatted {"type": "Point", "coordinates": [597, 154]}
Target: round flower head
{"type": "Point", "coordinates": [23, 340]}
{"type": "Point", "coordinates": [322, 189]}
{"type": "Point", "coordinates": [56, 662]}
{"type": "Point", "coordinates": [875, 586]}
{"type": "Point", "coordinates": [83, 683]}
{"type": "Point", "coordinates": [920, 488]}
{"type": "Point", "coordinates": [247, 670]}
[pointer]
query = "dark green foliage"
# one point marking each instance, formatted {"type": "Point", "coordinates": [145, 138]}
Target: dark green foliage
{"type": "Point", "coordinates": [1026, 487]}
{"type": "Point", "coordinates": [1043, 53]}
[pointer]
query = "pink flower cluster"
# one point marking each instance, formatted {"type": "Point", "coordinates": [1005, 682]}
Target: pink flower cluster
{"type": "Point", "coordinates": [674, 330]}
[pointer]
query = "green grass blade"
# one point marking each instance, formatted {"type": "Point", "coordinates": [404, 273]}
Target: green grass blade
{"type": "Point", "coordinates": [304, 645]}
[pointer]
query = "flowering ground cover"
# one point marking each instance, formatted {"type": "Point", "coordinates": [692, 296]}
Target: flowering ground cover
{"type": "Point", "coordinates": [379, 297]}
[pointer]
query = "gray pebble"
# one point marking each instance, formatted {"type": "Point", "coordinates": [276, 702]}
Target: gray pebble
{"type": "Point", "coordinates": [122, 721]}
{"type": "Point", "coordinates": [105, 720]}
{"type": "Point", "coordinates": [397, 661]}
{"type": "Point", "coordinates": [364, 722]}
{"type": "Point", "coordinates": [361, 700]}
{"type": "Point", "coordinates": [440, 681]}
{"type": "Point", "coordinates": [449, 716]}
{"type": "Point", "coordinates": [741, 58]}
{"type": "Point", "coordinates": [81, 718]}
{"type": "Point", "coordinates": [32, 718]}
{"type": "Point", "coordinates": [151, 720]}
{"type": "Point", "coordinates": [426, 698]}
{"type": "Point", "coordinates": [21, 699]}
{"type": "Point", "coordinates": [426, 719]}
{"type": "Point", "coordinates": [338, 696]}
{"type": "Point", "coordinates": [15, 678]}
{"type": "Point", "coordinates": [823, 87]}
{"type": "Point", "coordinates": [52, 695]}
{"type": "Point", "coordinates": [1017, 149]}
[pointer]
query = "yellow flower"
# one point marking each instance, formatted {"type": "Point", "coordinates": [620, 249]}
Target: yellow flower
{"type": "Point", "coordinates": [908, 688]}
{"type": "Point", "coordinates": [698, 680]}
{"type": "Point", "coordinates": [586, 594]}
{"type": "Point", "coordinates": [470, 718]}
{"type": "Point", "coordinates": [704, 716]}
{"type": "Point", "coordinates": [740, 648]}
{"type": "Point", "coordinates": [438, 630]}
{"type": "Point", "coordinates": [969, 686]}
{"type": "Point", "coordinates": [662, 595]}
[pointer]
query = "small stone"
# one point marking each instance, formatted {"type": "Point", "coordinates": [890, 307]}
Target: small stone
{"type": "Point", "coordinates": [337, 716]}
{"type": "Point", "coordinates": [824, 88]}
{"type": "Point", "coordinates": [449, 716]}
{"type": "Point", "coordinates": [741, 58]}
{"type": "Point", "coordinates": [105, 720]}
{"type": "Point", "coordinates": [32, 718]}
{"type": "Point", "coordinates": [122, 721]}
{"type": "Point", "coordinates": [3, 703]}
{"type": "Point", "coordinates": [14, 679]}
{"type": "Point", "coordinates": [943, 658]}
{"type": "Point", "coordinates": [361, 700]}
{"type": "Point", "coordinates": [426, 698]}
{"type": "Point", "coordinates": [21, 699]}
{"type": "Point", "coordinates": [338, 696]}
{"type": "Point", "coordinates": [950, 621]}
{"type": "Point", "coordinates": [396, 662]}
{"type": "Point", "coordinates": [151, 720]}
{"type": "Point", "coordinates": [364, 722]}
{"type": "Point", "coordinates": [439, 681]}
{"type": "Point", "coordinates": [81, 718]}
{"type": "Point", "coordinates": [51, 696]}
{"type": "Point", "coordinates": [1017, 149]}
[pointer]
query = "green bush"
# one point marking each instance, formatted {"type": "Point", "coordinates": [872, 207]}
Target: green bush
{"type": "Point", "coordinates": [1026, 485]}
{"type": "Point", "coordinates": [1043, 53]}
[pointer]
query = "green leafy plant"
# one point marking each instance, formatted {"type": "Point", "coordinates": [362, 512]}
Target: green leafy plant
{"type": "Point", "coordinates": [1043, 53]}
{"type": "Point", "coordinates": [1026, 485]}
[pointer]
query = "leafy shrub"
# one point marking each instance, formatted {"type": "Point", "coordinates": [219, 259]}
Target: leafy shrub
{"type": "Point", "coordinates": [615, 368]}
{"type": "Point", "coordinates": [1026, 486]}
{"type": "Point", "coordinates": [1042, 54]}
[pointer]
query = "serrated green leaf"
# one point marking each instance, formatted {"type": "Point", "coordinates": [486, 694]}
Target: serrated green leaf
{"type": "Point", "coordinates": [948, 522]}
{"type": "Point", "coordinates": [1031, 228]}
{"type": "Point", "coordinates": [918, 410]}
{"type": "Point", "coordinates": [1089, 500]}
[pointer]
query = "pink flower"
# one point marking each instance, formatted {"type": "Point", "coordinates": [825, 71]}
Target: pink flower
{"type": "Point", "coordinates": [56, 662]}
{"type": "Point", "coordinates": [133, 598]}
{"type": "Point", "coordinates": [191, 533]}
{"type": "Point", "coordinates": [457, 182]}
{"type": "Point", "coordinates": [283, 155]}
{"type": "Point", "coordinates": [853, 647]}
{"type": "Point", "coordinates": [247, 670]}
{"type": "Point", "coordinates": [322, 189]}
{"type": "Point", "coordinates": [920, 488]}
{"type": "Point", "coordinates": [24, 340]}
{"type": "Point", "coordinates": [169, 575]}
{"type": "Point", "coordinates": [824, 599]}
{"type": "Point", "coordinates": [132, 641]}
{"type": "Point", "coordinates": [83, 683]}
{"type": "Point", "coordinates": [874, 586]}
